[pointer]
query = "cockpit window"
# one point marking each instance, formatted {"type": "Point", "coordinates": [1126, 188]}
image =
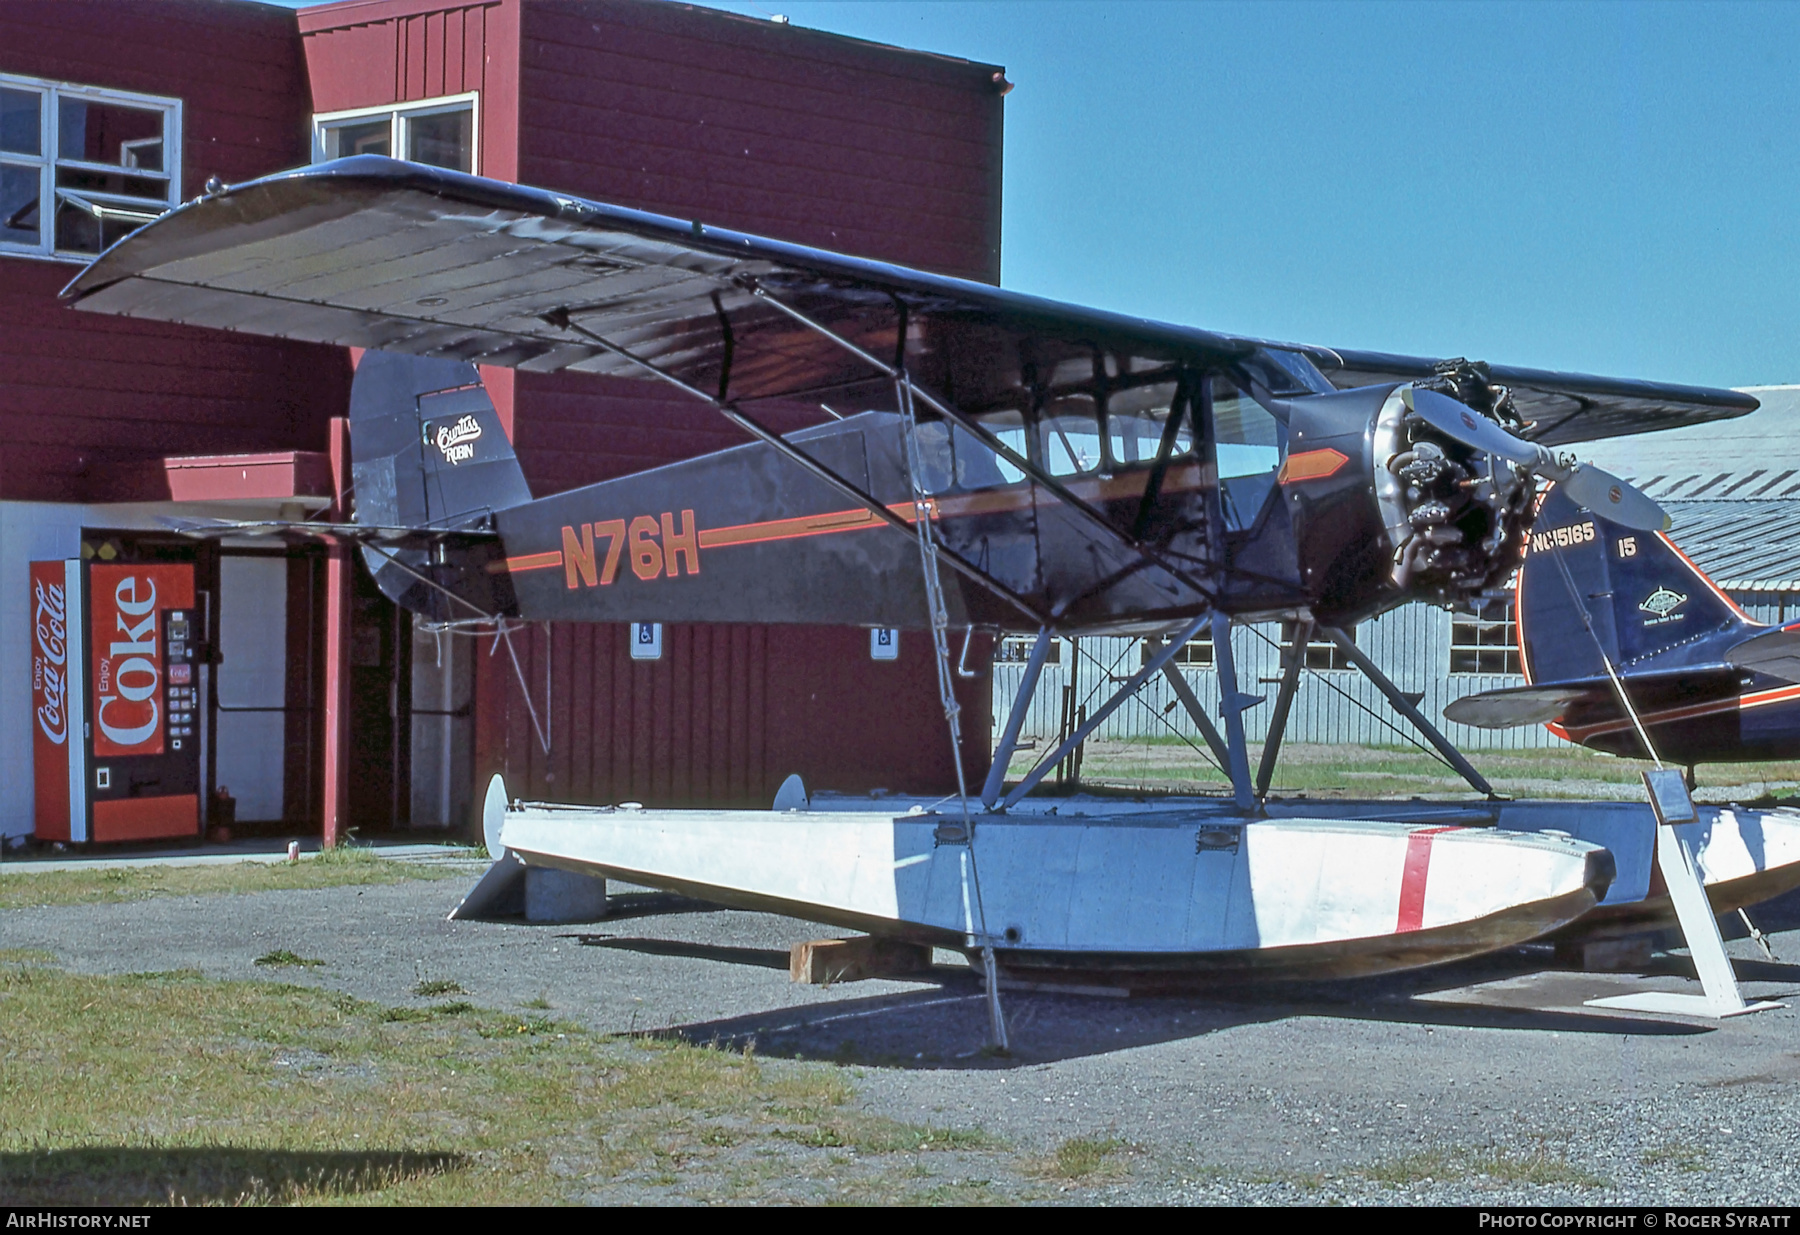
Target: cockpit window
{"type": "Point", "coordinates": [978, 467]}
{"type": "Point", "coordinates": [1069, 429]}
{"type": "Point", "coordinates": [1251, 445]}
{"type": "Point", "coordinates": [1135, 421]}
{"type": "Point", "coordinates": [1282, 372]}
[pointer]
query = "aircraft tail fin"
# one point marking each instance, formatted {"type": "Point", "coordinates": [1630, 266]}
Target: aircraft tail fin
{"type": "Point", "coordinates": [1647, 605]}
{"type": "Point", "coordinates": [428, 452]}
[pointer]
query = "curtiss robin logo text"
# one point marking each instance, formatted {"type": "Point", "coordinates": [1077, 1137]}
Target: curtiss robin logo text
{"type": "Point", "coordinates": [457, 441]}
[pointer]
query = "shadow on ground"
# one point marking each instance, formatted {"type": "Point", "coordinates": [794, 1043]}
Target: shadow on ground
{"type": "Point", "coordinates": [945, 1025]}
{"type": "Point", "coordinates": [118, 1175]}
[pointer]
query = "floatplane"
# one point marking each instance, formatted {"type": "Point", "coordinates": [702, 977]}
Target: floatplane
{"type": "Point", "coordinates": [979, 460]}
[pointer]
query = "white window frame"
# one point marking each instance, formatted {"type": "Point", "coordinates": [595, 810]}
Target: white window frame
{"type": "Point", "coordinates": [398, 115]}
{"type": "Point", "coordinates": [47, 159]}
{"type": "Point", "coordinates": [1508, 650]}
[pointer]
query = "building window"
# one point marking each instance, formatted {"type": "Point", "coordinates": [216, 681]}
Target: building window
{"type": "Point", "coordinates": [438, 132]}
{"type": "Point", "coordinates": [1194, 654]}
{"type": "Point", "coordinates": [1321, 653]}
{"type": "Point", "coordinates": [82, 167]}
{"type": "Point", "coordinates": [1486, 641]}
{"type": "Point", "coordinates": [1016, 650]}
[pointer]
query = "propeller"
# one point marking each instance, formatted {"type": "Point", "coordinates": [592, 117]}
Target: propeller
{"type": "Point", "coordinates": [1600, 491]}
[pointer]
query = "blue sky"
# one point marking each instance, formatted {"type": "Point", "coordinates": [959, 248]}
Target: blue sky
{"type": "Point", "coordinates": [1612, 188]}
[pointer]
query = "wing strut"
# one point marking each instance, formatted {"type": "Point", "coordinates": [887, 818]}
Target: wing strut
{"type": "Point", "coordinates": [769, 437]}
{"type": "Point", "coordinates": [980, 434]}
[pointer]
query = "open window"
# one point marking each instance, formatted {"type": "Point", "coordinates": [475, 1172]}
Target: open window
{"type": "Point", "coordinates": [81, 167]}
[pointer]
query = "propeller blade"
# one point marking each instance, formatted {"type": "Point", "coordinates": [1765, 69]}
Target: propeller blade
{"type": "Point", "coordinates": [1601, 492]}
{"type": "Point", "coordinates": [1461, 424]}
{"type": "Point", "coordinates": [1614, 500]}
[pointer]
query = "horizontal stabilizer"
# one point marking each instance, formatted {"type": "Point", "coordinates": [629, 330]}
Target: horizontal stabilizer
{"type": "Point", "coordinates": [1776, 653]}
{"type": "Point", "coordinates": [1516, 706]}
{"type": "Point", "coordinates": [1590, 701]}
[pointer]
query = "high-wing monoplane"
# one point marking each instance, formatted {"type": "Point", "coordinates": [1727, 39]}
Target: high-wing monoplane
{"type": "Point", "coordinates": [978, 459]}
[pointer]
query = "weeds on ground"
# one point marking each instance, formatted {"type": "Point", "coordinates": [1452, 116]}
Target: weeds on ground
{"type": "Point", "coordinates": [426, 988]}
{"type": "Point", "coordinates": [1681, 1157]}
{"type": "Point", "coordinates": [175, 1088]}
{"type": "Point", "coordinates": [26, 956]}
{"type": "Point", "coordinates": [1084, 1159]}
{"type": "Point", "coordinates": [1539, 1166]}
{"type": "Point", "coordinates": [282, 958]}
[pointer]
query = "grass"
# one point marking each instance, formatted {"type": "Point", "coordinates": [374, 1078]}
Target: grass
{"type": "Point", "coordinates": [1167, 765]}
{"type": "Point", "coordinates": [282, 958]}
{"type": "Point", "coordinates": [27, 889]}
{"type": "Point", "coordinates": [429, 987]}
{"type": "Point", "coordinates": [1539, 1166]}
{"type": "Point", "coordinates": [1681, 1157]}
{"type": "Point", "coordinates": [175, 1088]}
{"type": "Point", "coordinates": [1084, 1159]}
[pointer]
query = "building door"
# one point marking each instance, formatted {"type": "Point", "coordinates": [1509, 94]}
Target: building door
{"type": "Point", "coordinates": [380, 707]}
{"type": "Point", "coordinates": [442, 727]}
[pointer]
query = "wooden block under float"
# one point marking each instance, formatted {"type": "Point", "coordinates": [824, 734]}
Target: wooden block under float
{"type": "Point", "coordinates": [821, 962]}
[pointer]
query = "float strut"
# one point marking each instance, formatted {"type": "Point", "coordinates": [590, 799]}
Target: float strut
{"type": "Point", "coordinates": [1407, 708]}
{"type": "Point", "coordinates": [1293, 660]}
{"type": "Point", "coordinates": [1015, 720]}
{"type": "Point", "coordinates": [1132, 685]}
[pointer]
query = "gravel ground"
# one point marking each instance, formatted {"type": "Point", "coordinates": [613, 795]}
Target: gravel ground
{"type": "Point", "coordinates": [1483, 1083]}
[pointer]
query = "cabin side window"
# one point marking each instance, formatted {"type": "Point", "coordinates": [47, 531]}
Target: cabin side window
{"type": "Point", "coordinates": [1136, 420]}
{"type": "Point", "coordinates": [1069, 432]}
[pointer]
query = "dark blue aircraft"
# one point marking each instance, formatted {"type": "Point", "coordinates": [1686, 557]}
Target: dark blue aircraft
{"type": "Point", "coordinates": [1710, 684]}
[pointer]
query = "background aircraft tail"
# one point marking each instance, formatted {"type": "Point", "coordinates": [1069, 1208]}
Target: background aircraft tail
{"type": "Point", "coordinates": [1651, 608]}
{"type": "Point", "coordinates": [428, 453]}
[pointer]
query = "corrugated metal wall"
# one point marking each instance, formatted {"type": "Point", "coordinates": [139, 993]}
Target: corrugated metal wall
{"type": "Point", "coordinates": [1412, 644]}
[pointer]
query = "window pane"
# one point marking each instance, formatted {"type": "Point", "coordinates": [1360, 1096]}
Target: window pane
{"type": "Point", "coordinates": [19, 204]}
{"type": "Point", "coordinates": [1135, 420]}
{"type": "Point", "coordinates": [90, 228]}
{"type": "Point", "coordinates": [154, 192]}
{"type": "Point", "coordinates": [936, 467]}
{"type": "Point", "coordinates": [441, 139]}
{"type": "Point", "coordinates": [1250, 440]}
{"type": "Point", "coordinates": [109, 133]}
{"type": "Point", "coordinates": [977, 467]}
{"type": "Point", "coordinates": [21, 129]}
{"type": "Point", "coordinates": [1071, 436]}
{"type": "Point", "coordinates": [363, 137]}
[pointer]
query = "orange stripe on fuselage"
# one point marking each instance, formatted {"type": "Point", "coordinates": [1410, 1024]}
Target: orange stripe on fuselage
{"type": "Point", "coordinates": [1180, 479]}
{"type": "Point", "coordinates": [534, 561]}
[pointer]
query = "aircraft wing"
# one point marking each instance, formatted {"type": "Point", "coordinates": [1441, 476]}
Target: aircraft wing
{"type": "Point", "coordinates": [376, 253]}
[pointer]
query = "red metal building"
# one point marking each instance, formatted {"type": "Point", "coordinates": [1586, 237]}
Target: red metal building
{"type": "Point", "coordinates": [739, 122]}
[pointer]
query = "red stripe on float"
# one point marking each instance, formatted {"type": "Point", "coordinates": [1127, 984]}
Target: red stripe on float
{"type": "Point", "coordinates": [1412, 879]}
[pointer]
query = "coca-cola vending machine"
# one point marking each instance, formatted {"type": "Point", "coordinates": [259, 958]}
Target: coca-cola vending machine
{"type": "Point", "coordinates": [115, 686]}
